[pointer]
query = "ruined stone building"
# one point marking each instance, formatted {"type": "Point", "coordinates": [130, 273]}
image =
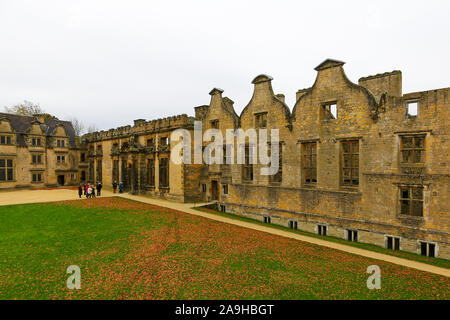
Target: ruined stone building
{"type": "Point", "coordinates": [363, 162]}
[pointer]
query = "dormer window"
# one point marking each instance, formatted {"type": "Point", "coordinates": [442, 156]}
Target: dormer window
{"type": "Point", "coordinates": [412, 108]}
{"type": "Point", "coordinates": [329, 111]}
{"type": "Point", "coordinates": [60, 143]}
{"type": "Point", "coordinates": [36, 142]}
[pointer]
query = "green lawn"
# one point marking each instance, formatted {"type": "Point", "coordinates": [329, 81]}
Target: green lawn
{"type": "Point", "coordinates": [443, 263]}
{"type": "Point", "coordinates": [131, 250]}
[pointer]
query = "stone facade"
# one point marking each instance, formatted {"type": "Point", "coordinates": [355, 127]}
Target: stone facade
{"type": "Point", "coordinates": [37, 152]}
{"type": "Point", "coordinates": [361, 161]}
{"type": "Point", "coordinates": [139, 157]}
{"type": "Point", "coordinates": [365, 171]}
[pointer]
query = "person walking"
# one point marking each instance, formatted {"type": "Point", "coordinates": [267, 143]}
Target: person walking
{"type": "Point", "coordinates": [93, 191]}
{"type": "Point", "coordinates": [114, 186]}
{"type": "Point", "coordinates": [89, 191]}
{"type": "Point", "coordinates": [80, 190]}
{"type": "Point", "coordinates": [86, 190]}
{"type": "Point", "coordinates": [99, 189]}
{"type": "Point", "coordinates": [120, 187]}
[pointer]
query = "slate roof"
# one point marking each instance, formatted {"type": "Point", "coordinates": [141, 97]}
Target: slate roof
{"type": "Point", "coordinates": [21, 124]}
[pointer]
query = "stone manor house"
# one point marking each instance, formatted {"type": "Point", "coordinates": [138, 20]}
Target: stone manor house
{"type": "Point", "coordinates": [363, 162]}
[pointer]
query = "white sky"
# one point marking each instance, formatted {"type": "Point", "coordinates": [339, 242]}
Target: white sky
{"type": "Point", "coordinates": [109, 62]}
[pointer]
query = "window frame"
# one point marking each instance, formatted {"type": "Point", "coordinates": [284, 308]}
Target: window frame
{"type": "Point", "coordinates": [151, 172]}
{"type": "Point", "coordinates": [7, 170]}
{"type": "Point", "coordinates": [247, 167]}
{"type": "Point", "coordinates": [311, 155]}
{"type": "Point", "coordinates": [411, 200]}
{"type": "Point", "coordinates": [37, 157]}
{"type": "Point", "coordinates": [261, 120]}
{"type": "Point", "coordinates": [352, 167]}
{"type": "Point", "coordinates": [35, 176]}
{"type": "Point", "coordinates": [225, 188]}
{"type": "Point", "coordinates": [164, 177]}
{"type": "Point", "coordinates": [6, 140]}
{"type": "Point", "coordinates": [413, 149]}
{"type": "Point", "coordinates": [277, 178]}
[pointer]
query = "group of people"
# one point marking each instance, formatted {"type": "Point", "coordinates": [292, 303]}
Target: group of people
{"type": "Point", "coordinates": [89, 189]}
{"type": "Point", "coordinates": [120, 185]}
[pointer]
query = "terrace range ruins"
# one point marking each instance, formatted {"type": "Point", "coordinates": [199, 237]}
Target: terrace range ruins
{"type": "Point", "coordinates": [363, 162]}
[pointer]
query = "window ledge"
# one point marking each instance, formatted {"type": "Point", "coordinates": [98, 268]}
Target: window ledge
{"type": "Point", "coordinates": [412, 165]}
{"type": "Point", "coordinates": [411, 218]}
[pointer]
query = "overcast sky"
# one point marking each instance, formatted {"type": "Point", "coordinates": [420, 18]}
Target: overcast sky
{"type": "Point", "coordinates": [109, 62]}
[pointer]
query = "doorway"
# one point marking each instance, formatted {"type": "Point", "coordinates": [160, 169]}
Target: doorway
{"type": "Point", "coordinates": [214, 190]}
{"type": "Point", "coordinates": [61, 180]}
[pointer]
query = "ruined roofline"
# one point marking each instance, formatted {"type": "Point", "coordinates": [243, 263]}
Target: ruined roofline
{"type": "Point", "coordinates": [380, 75]}
{"type": "Point", "coordinates": [140, 126]}
{"type": "Point", "coordinates": [425, 91]}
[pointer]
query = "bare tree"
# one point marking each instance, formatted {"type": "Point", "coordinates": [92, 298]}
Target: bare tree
{"type": "Point", "coordinates": [28, 108]}
{"type": "Point", "coordinates": [78, 126]}
{"type": "Point", "coordinates": [92, 128]}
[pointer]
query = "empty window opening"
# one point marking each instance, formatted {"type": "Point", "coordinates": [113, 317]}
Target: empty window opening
{"type": "Point", "coordinates": [267, 219]}
{"type": "Point", "coordinates": [203, 187]}
{"type": "Point", "coordinates": [223, 208]}
{"type": "Point", "coordinates": [427, 249]}
{"type": "Point", "coordinates": [322, 229]}
{"type": "Point", "coordinates": [330, 111]}
{"type": "Point", "coordinates": [352, 235]}
{"type": "Point", "coordinates": [293, 224]}
{"type": "Point", "coordinates": [412, 108]}
{"type": "Point", "coordinates": [215, 124]}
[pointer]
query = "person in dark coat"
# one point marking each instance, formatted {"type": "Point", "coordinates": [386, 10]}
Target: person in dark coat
{"type": "Point", "coordinates": [99, 189]}
{"type": "Point", "coordinates": [114, 186]}
{"type": "Point", "coordinates": [80, 191]}
{"type": "Point", "coordinates": [93, 191]}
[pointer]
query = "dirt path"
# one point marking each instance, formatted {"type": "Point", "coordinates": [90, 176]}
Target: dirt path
{"type": "Point", "coordinates": [33, 196]}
